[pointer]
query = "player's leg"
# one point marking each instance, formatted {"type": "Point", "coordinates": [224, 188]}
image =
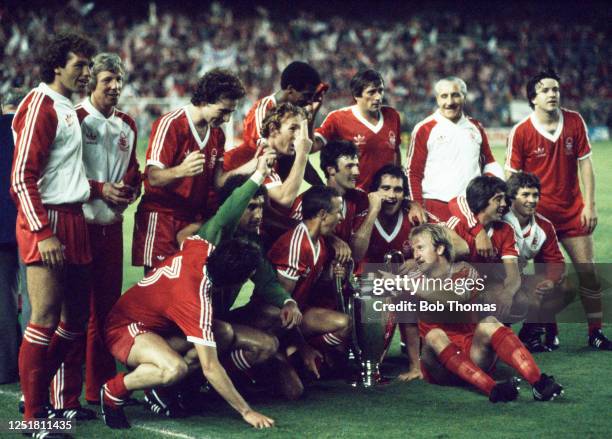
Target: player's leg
{"type": "Point", "coordinates": [510, 350]}
{"type": "Point", "coordinates": [581, 252]}
{"type": "Point", "coordinates": [410, 333]}
{"type": "Point", "coordinates": [533, 327]}
{"type": "Point", "coordinates": [324, 328]}
{"type": "Point", "coordinates": [453, 359]}
{"type": "Point", "coordinates": [250, 347]}
{"type": "Point", "coordinates": [45, 296]}
{"type": "Point", "coordinates": [68, 342]}
{"type": "Point", "coordinates": [154, 363]}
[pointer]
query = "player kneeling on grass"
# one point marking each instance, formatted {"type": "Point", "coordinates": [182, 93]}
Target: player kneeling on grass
{"type": "Point", "coordinates": [139, 330]}
{"type": "Point", "coordinates": [454, 349]}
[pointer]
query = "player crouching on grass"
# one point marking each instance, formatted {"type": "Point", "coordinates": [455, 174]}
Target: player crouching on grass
{"type": "Point", "coordinates": [464, 351]}
{"type": "Point", "coordinates": [140, 330]}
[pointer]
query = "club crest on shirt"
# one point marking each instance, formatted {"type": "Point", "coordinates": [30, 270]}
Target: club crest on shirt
{"type": "Point", "coordinates": [123, 141]}
{"type": "Point", "coordinates": [392, 139]}
{"type": "Point", "coordinates": [90, 136]}
{"type": "Point", "coordinates": [569, 145]}
{"type": "Point", "coordinates": [359, 140]}
{"type": "Point", "coordinates": [213, 158]}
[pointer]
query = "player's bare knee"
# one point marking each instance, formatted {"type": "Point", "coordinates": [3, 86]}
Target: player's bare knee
{"type": "Point", "coordinates": [342, 322]}
{"type": "Point", "coordinates": [174, 372]}
{"type": "Point", "coordinates": [437, 340]}
{"type": "Point", "coordinates": [487, 327]}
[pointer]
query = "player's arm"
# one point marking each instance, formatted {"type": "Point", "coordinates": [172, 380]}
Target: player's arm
{"type": "Point", "coordinates": [360, 240]}
{"type": "Point", "coordinates": [192, 165]}
{"type": "Point", "coordinates": [503, 294]}
{"type": "Point", "coordinates": [286, 193]}
{"type": "Point", "coordinates": [33, 140]}
{"type": "Point", "coordinates": [588, 217]}
{"type": "Point", "coordinates": [218, 378]}
{"type": "Point", "coordinates": [247, 168]}
{"type": "Point", "coordinates": [398, 142]}
{"type": "Point", "coordinates": [489, 165]}
{"type": "Point", "coordinates": [460, 247]}
{"type": "Point", "coordinates": [514, 152]}
{"type": "Point", "coordinates": [133, 177]}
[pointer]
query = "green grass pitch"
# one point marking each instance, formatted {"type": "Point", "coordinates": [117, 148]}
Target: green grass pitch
{"type": "Point", "coordinates": [332, 409]}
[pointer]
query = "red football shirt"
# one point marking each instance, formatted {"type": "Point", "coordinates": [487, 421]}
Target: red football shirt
{"type": "Point", "coordinates": [177, 293]}
{"type": "Point", "coordinates": [377, 144]}
{"type": "Point", "coordinates": [173, 137]}
{"type": "Point", "coordinates": [553, 158]}
{"type": "Point", "coordinates": [252, 122]}
{"type": "Point", "coordinates": [298, 258]}
{"type": "Point", "coordinates": [382, 242]}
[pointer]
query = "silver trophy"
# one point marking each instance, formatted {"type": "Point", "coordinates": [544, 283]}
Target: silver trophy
{"type": "Point", "coordinates": [372, 330]}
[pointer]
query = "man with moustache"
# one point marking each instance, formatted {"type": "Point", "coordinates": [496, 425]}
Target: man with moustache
{"type": "Point", "coordinates": [447, 150]}
{"type": "Point", "coordinates": [373, 127]}
{"type": "Point", "coordinates": [109, 155]}
{"type": "Point", "coordinates": [184, 166]}
{"type": "Point", "coordinates": [49, 185]}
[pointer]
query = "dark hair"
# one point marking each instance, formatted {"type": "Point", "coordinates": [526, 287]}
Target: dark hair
{"type": "Point", "coordinates": [392, 170]}
{"type": "Point", "coordinates": [300, 76]}
{"type": "Point", "coordinates": [519, 180]}
{"type": "Point", "coordinates": [233, 183]}
{"type": "Point", "coordinates": [534, 80]}
{"type": "Point", "coordinates": [317, 198]}
{"type": "Point", "coordinates": [274, 119]}
{"type": "Point", "coordinates": [232, 262]}
{"type": "Point", "coordinates": [215, 85]}
{"type": "Point", "coordinates": [481, 189]}
{"type": "Point", "coordinates": [332, 151]}
{"type": "Point", "coordinates": [364, 78]}
{"type": "Point", "coordinates": [57, 51]}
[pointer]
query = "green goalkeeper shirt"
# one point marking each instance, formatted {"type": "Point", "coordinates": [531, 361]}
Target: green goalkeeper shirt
{"type": "Point", "coordinates": [224, 225]}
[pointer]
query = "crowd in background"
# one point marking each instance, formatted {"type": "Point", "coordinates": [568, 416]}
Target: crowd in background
{"type": "Point", "coordinates": [165, 52]}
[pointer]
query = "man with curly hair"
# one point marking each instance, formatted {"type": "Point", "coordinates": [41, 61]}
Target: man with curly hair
{"type": "Point", "coordinates": [49, 185]}
{"type": "Point", "coordinates": [183, 167]}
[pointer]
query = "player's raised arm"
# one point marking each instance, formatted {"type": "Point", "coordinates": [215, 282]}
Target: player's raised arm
{"type": "Point", "coordinates": [218, 378]}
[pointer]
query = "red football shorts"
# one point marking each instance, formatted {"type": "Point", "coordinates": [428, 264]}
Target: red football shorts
{"type": "Point", "coordinates": [155, 237]}
{"type": "Point", "coordinates": [566, 220]}
{"type": "Point", "coordinates": [437, 208]}
{"type": "Point", "coordinates": [68, 225]}
{"type": "Point", "coordinates": [120, 339]}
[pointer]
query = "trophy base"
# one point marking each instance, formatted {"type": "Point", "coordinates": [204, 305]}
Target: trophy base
{"type": "Point", "coordinates": [369, 376]}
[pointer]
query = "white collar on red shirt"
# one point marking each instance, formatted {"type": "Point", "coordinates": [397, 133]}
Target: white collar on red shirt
{"type": "Point", "coordinates": [53, 94]}
{"type": "Point", "coordinates": [540, 129]}
{"type": "Point", "coordinates": [201, 143]}
{"type": "Point", "coordinates": [316, 248]}
{"type": "Point", "coordinates": [393, 235]}
{"type": "Point", "coordinates": [374, 128]}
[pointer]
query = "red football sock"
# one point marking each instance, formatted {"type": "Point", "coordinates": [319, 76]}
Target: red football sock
{"type": "Point", "coordinates": [67, 383]}
{"type": "Point", "coordinates": [33, 371]}
{"type": "Point", "coordinates": [115, 392]}
{"type": "Point", "coordinates": [459, 363]}
{"type": "Point", "coordinates": [325, 342]}
{"type": "Point", "coordinates": [63, 339]}
{"type": "Point", "coordinates": [511, 351]}
{"type": "Point", "coordinates": [237, 362]}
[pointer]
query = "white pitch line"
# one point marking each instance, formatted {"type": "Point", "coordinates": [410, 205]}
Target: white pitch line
{"type": "Point", "coordinates": [161, 431]}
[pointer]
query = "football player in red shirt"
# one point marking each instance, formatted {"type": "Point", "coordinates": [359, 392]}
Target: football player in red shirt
{"type": "Point", "coordinates": [301, 86]}
{"type": "Point", "coordinates": [49, 185]}
{"type": "Point", "coordinates": [184, 167]}
{"type": "Point", "coordinates": [301, 257]}
{"type": "Point", "coordinates": [454, 348]}
{"type": "Point", "coordinates": [373, 127]}
{"type": "Point", "coordinates": [486, 198]}
{"type": "Point", "coordinates": [553, 144]}
{"type": "Point", "coordinates": [141, 330]}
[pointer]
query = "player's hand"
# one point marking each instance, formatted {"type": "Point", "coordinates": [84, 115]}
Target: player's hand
{"type": "Point", "coordinates": [588, 218]}
{"type": "Point", "coordinates": [338, 269]}
{"type": "Point", "coordinates": [51, 252]}
{"type": "Point", "coordinates": [257, 420]}
{"type": "Point", "coordinates": [302, 143]}
{"type": "Point", "coordinates": [192, 165]}
{"type": "Point", "coordinates": [133, 191]}
{"type": "Point", "coordinates": [309, 357]}
{"type": "Point", "coordinates": [375, 200]}
{"type": "Point", "coordinates": [290, 315]}
{"type": "Point", "coordinates": [265, 161]}
{"type": "Point", "coordinates": [416, 214]}
{"type": "Point", "coordinates": [484, 247]}
{"type": "Point", "coordinates": [342, 250]}
{"type": "Point", "coordinates": [116, 193]}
